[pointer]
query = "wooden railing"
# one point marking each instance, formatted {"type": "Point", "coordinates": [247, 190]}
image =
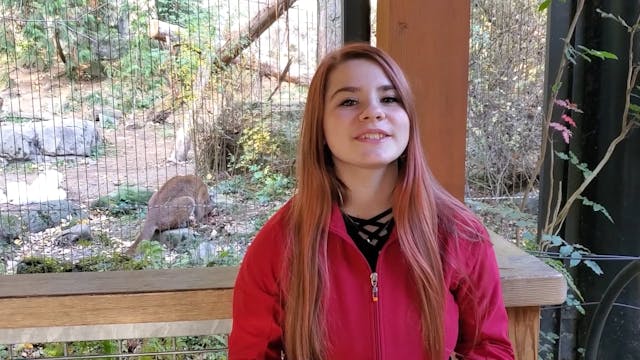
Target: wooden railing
{"type": "Point", "coordinates": [183, 302]}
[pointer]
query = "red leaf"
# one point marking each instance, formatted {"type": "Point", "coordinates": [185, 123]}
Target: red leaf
{"type": "Point", "coordinates": [562, 103]}
{"type": "Point", "coordinates": [567, 105]}
{"type": "Point", "coordinates": [566, 133]}
{"type": "Point", "coordinates": [568, 120]}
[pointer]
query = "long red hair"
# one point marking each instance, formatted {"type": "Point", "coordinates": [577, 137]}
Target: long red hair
{"type": "Point", "coordinates": [421, 208]}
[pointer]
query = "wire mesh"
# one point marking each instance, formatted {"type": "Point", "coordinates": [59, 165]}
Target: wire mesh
{"type": "Point", "coordinates": [174, 348]}
{"type": "Point", "coordinates": [104, 101]}
{"type": "Point", "coordinates": [506, 83]}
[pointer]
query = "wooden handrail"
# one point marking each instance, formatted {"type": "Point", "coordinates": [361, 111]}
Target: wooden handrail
{"type": "Point", "coordinates": [115, 304]}
{"type": "Point", "coordinates": [180, 302]}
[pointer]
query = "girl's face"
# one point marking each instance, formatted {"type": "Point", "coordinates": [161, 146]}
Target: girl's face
{"type": "Point", "coordinates": [365, 124]}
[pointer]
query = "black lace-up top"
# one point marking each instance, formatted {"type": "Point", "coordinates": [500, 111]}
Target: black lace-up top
{"type": "Point", "coordinates": [370, 235]}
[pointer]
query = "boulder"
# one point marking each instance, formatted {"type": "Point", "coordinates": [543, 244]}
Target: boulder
{"type": "Point", "coordinates": [67, 137]}
{"type": "Point", "coordinates": [18, 141]}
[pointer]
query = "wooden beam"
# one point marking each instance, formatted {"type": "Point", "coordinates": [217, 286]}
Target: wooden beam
{"type": "Point", "coordinates": [74, 310]}
{"type": "Point", "coordinates": [182, 302]}
{"type": "Point", "coordinates": [116, 282]}
{"type": "Point", "coordinates": [430, 41]}
{"type": "Point", "coordinates": [526, 280]}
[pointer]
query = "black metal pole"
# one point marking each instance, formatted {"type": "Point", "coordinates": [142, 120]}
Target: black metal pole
{"type": "Point", "coordinates": [357, 21]}
{"type": "Point", "coordinates": [554, 320]}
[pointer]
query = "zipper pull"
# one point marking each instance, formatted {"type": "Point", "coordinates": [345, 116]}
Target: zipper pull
{"type": "Point", "coordinates": [374, 286]}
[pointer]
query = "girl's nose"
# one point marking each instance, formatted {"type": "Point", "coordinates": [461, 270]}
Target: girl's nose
{"type": "Point", "coordinates": [372, 112]}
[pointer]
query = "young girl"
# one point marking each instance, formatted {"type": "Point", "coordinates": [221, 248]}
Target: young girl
{"type": "Point", "coordinates": [371, 258]}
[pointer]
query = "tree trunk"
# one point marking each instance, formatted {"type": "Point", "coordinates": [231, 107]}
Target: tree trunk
{"type": "Point", "coordinates": [330, 26]}
{"type": "Point", "coordinates": [165, 32]}
{"type": "Point", "coordinates": [269, 70]}
{"type": "Point", "coordinates": [261, 22]}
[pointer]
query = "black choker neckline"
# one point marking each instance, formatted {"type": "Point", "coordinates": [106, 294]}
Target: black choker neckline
{"type": "Point", "coordinates": [372, 231]}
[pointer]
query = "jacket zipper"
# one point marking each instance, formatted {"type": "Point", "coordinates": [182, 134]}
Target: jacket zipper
{"type": "Point", "coordinates": [376, 314]}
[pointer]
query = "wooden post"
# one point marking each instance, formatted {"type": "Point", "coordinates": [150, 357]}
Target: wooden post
{"type": "Point", "coordinates": [430, 41]}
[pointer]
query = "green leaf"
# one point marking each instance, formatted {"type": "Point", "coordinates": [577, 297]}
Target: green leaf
{"type": "Point", "coordinates": [634, 108]}
{"type": "Point", "coordinates": [614, 17]}
{"type": "Point", "coordinates": [555, 240]}
{"type": "Point", "coordinates": [596, 207]}
{"type": "Point", "coordinates": [562, 155]}
{"type": "Point", "coordinates": [566, 250]}
{"type": "Point", "coordinates": [576, 257]}
{"type": "Point", "coordinates": [569, 54]}
{"type": "Point", "coordinates": [581, 166]}
{"type": "Point", "coordinates": [593, 266]}
{"type": "Point", "coordinates": [556, 87]}
{"type": "Point", "coordinates": [544, 5]}
{"type": "Point", "coordinates": [597, 53]}
{"type": "Point", "coordinates": [607, 55]}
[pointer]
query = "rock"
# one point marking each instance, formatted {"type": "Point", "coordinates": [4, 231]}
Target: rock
{"type": "Point", "coordinates": [18, 141]}
{"type": "Point", "coordinates": [10, 227]}
{"type": "Point", "coordinates": [25, 141]}
{"type": "Point", "coordinates": [73, 234]}
{"type": "Point", "coordinates": [42, 216]}
{"type": "Point", "coordinates": [102, 113]}
{"type": "Point", "coordinates": [206, 252]}
{"type": "Point", "coordinates": [176, 237]}
{"type": "Point", "coordinates": [68, 137]}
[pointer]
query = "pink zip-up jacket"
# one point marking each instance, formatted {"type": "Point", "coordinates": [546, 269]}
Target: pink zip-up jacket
{"type": "Point", "coordinates": [357, 326]}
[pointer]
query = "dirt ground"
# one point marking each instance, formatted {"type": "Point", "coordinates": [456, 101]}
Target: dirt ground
{"type": "Point", "coordinates": [134, 152]}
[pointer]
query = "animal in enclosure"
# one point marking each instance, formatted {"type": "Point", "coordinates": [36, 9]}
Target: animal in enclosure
{"type": "Point", "coordinates": [179, 201]}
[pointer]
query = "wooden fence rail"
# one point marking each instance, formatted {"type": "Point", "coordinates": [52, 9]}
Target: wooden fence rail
{"type": "Point", "coordinates": [184, 302]}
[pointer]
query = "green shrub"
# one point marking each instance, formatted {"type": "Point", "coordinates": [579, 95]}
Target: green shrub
{"type": "Point", "coordinates": [108, 262]}
{"type": "Point", "coordinates": [39, 265]}
{"type": "Point", "coordinates": [126, 200]}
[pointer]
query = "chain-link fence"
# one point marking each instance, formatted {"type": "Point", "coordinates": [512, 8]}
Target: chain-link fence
{"type": "Point", "coordinates": [506, 83]}
{"type": "Point", "coordinates": [105, 101]}
{"type": "Point", "coordinates": [183, 348]}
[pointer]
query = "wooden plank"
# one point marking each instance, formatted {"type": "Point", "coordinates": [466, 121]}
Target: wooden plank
{"type": "Point", "coordinates": [115, 309]}
{"type": "Point", "coordinates": [115, 282]}
{"type": "Point", "coordinates": [114, 331]}
{"type": "Point", "coordinates": [524, 327]}
{"type": "Point", "coordinates": [430, 41]}
{"type": "Point", "coordinates": [526, 280]}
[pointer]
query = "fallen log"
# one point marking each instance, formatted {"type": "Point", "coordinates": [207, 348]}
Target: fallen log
{"type": "Point", "coordinates": [165, 32]}
{"type": "Point", "coordinates": [271, 71]}
{"type": "Point", "coordinates": [261, 22]}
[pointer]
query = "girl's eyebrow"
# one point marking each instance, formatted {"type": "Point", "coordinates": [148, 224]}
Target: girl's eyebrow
{"type": "Point", "coordinates": [346, 89]}
{"type": "Point", "coordinates": [353, 89]}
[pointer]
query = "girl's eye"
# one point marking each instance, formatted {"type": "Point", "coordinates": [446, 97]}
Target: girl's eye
{"type": "Point", "coordinates": [348, 102]}
{"type": "Point", "coordinates": [390, 99]}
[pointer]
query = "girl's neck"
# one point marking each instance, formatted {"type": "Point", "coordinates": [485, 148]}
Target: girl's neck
{"type": "Point", "coordinates": [369, 192]}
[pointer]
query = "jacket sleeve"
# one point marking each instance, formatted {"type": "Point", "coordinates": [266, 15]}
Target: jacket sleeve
{"type": "Point", "coordinates": [483, 320]}
{"type": "Point", "coordinates": [257, 305]}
